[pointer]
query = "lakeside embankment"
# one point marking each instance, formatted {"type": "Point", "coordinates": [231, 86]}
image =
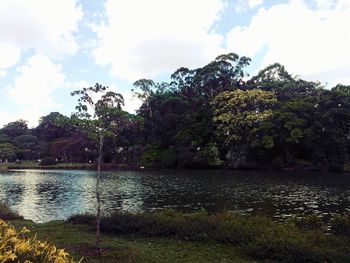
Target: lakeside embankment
{"type": "Point", "coordinates": [118, 167]}
{"type": "Point", "coordinates": [71, 166]}
{"type": "Point", "coordinates": [170, 236]}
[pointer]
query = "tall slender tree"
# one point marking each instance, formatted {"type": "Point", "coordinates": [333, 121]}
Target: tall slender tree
{"type": "Point", "coordinates": [98, 119]}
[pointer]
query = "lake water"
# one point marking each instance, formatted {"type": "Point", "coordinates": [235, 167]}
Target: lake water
{"type": "Point", "coordinates": [50, 195]}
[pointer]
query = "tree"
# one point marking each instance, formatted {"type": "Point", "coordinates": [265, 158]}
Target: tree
{"type": "Point", "coordinates": [53, 126]}
{"type": "Point", "coordinates": [8, 151]}
{"type": "Point", "coordinates": [30, 145]}
{"type": "Point", "coordinates": [277, 79]}
{"type": "Point", "coordinates": [332, 129]}
{"type": "Point", "coordinates": [101, 125]}
{"type": "Point", "coordinates": [238, 115]}
{"type": "Point", "coordinates": [291, 126]}
{"type": "Point", "coordinates": [68, 149]}
{"type": "Point", "coordinates": [16, 128]}
{"type": "Point", "coordinates": [342, 88]}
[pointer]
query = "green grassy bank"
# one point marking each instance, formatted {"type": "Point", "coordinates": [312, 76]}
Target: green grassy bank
{"type": "Point", "coordinates": [79, 241]}
{"type": "Point", "coordinates": [306, 239]}
{"type": "Point", "coordinates": [170, 236]}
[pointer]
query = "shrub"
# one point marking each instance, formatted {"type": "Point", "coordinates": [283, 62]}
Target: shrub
{"type": "Point", "coordinates": [151, 155]}
{"type": "Point", "coordinates": [310, 222]}
{"type": "Point", "coordinates": [17, 247]}
{"type": "Point", "coordinates": [82, 219]}
{"type": "Point", "coordinates": [6, 213]}
{"type": "Point", "coordinates": [340, 225]}
{"type": "Point", "coordinates": [48, 161]}
{"type": "Point", "coordinates": [168, 158]}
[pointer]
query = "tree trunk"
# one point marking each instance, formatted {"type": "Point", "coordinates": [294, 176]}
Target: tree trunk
{"type": "Point", "coordinates": [98, 197]}
{"type": "Point", "coordinates": [289, 155]}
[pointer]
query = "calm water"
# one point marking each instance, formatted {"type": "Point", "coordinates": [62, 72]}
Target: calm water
{"type": "Point", "coordinates": [49, 195]}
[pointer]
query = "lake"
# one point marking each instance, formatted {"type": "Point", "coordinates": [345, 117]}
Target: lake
{"type": "Point", "coordinates": [44, 195]}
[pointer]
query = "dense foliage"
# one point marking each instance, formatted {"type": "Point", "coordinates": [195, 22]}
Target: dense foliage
{"type": "Point", "coordinates": [213, 116]}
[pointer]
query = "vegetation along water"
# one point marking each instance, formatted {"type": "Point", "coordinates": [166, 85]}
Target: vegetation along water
{"type": "Point", "coordinates": [290, 133]}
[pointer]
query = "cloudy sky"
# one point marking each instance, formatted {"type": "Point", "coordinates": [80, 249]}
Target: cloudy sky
{"type": "Point", "coordinates": [49, 48]}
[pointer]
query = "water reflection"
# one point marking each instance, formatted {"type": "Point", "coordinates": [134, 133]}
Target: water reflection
{"type": "Point", "coordinates": [50, 195]}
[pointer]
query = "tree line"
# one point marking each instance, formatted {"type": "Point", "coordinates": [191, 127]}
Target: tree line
{"type": "Point", "coordinates": [213, 116]}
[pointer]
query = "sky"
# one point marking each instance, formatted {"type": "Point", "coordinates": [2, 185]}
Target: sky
{"type": "Point", "coordinates": [50, 48]}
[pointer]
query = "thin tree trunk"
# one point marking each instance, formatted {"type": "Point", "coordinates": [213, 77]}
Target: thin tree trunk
{"type": "Point", "coordinates": [98, 198]}
{"type": "Point", "coordinates": [289, 155]}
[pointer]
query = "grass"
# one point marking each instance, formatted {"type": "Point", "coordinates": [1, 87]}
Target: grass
{"type": "Point", "coordinates": [171, 236]}
{"type": "Point", "coordinates": [79, 241]}
{"type": "Point", "coordinates": [258, 237]}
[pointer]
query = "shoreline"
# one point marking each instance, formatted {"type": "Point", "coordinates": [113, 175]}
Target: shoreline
{"type": "Point", "coordinates": [124, 167]}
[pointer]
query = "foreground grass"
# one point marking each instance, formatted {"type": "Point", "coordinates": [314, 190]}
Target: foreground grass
{"type": "Point", "coordinates": [170, 236]}
{"type": "Point", "coordinates": [79, 241]}
{"type": "Point", "coordinates": [305, 240]}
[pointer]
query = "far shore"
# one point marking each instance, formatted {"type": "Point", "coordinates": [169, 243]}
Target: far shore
{"type": "Point", "coordinates": [72, 166]}
{"type": "Point", "coordinates": [127, 167]}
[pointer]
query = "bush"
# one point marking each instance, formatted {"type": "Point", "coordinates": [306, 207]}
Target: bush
{"type": "Point", "coordinates": [168, 158]}
{"type": "Point", "coordinates": [18, 247]}
{"type": "Point", "coordinates": [340, 225]}
{"type": "Point", "coordinates": [311, 222]}
{"type": "Point", "coordinates": [151, 155]}
{"type": "Point", "coordinates": [82, 219]}
{"type": "Point", "coordinates": [48, 161]}
{"type": "Point", "coordinates": [259, 237]}
{"type": "Point", "coordinates": [7, 214]}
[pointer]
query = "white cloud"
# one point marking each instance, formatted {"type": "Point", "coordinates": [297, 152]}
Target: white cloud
{"type": "Point", "coordinates": [147, 38]}
{"type": "Point", "coordinates": [3, 73]}
{"type": "Point", "coordinates": [306, 41]}
{"type": "Point", "coordinates": [325, 3]}
{"type": "Point", "coordinates": [131, 103]}
{"type": "Point", "coordinates": [32, 116]}
{"type": "Point", "coordinates": [5, 118]}
{"type": "Point", "coordinates": [32, 90]}
{"type": "Point", "coordinates": [245, 5]}
{"type": "Point", "coordinates": [46, 26]}
{"type": "Point", "coordinates": [9, 55]}
{"type": "Point", "coordinates": [255, 3]}
{"type": "Point", "coordinates": [38, 79]}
